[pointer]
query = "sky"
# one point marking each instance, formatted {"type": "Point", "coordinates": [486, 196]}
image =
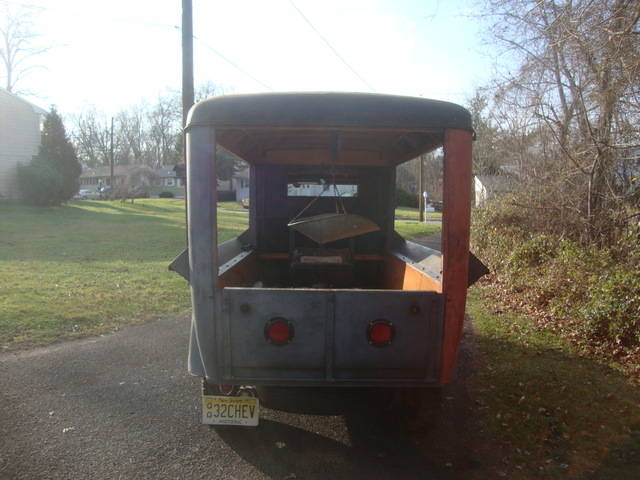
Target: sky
{"type": "Point", "coordinates": [116, 54]}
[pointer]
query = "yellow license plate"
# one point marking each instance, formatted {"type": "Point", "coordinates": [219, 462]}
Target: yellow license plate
{"type": "Point", "coordinates": [230, 411]}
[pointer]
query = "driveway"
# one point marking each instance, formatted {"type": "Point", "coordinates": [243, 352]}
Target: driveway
{"type": "Point", "coordinates": [123, 406]}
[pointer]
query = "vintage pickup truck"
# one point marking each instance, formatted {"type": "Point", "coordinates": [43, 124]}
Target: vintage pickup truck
{"type": "Point", "coordinates": [320, 306]}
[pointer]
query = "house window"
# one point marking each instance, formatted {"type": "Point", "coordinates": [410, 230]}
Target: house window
{"type": "Point", "coordinates": [169, 182]}
{"type": "Point", "coordinates": [180, 183]}
{"type": "Point", "coordinates": [157, 182]}
{"type": "Point", "coordinates": [313, 185]}
{"type": "Point", "coordinates": [244, 183]}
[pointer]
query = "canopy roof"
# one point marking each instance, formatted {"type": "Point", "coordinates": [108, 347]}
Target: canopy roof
{"type": "Point", "coordinates": [320, 128]}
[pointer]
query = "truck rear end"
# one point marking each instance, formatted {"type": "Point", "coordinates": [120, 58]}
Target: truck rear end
{"type": "Point", "coordinates": [320, 306]}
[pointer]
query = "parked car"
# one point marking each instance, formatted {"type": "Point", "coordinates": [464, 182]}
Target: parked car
{"type": "Point", "coordinates": [86, 195]}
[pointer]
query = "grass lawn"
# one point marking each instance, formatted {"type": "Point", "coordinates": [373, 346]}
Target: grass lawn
{"type": "Point", "coordinates": [90, 267]}
{"type": "Point", "coordinates": [555, 414]}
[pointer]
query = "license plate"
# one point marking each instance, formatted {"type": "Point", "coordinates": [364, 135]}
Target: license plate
{"type": "Point", "coordinates": [230, 411]}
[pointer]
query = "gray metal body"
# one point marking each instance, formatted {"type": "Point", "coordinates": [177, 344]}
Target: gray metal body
{"type": "Point", "coordinates": [238, 286]}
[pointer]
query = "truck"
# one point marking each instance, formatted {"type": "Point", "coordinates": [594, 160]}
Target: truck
{"type": "Point", "coordinates": [320, 306]}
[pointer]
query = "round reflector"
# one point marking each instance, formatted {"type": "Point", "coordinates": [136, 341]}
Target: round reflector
{"type": "Point", "coordinates": [278, 331]}
{"type": "Point", "coordinates": [381, 333]}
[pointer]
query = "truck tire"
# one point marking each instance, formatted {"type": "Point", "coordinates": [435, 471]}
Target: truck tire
{"type": "Point", "coordinates": [421, 407]}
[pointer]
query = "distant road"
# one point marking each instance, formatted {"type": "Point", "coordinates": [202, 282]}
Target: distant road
{"type": "Point", "coordinates": [123, 406]}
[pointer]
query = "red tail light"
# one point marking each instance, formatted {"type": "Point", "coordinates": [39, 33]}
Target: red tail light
{"type": "Point", "coordinates": [381, 333]}
{"type": "Point", "coordinates": [278, 331]}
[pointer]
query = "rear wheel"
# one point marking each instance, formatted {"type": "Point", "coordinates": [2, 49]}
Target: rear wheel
{"type": "Point", "coordinates": [422, 407]}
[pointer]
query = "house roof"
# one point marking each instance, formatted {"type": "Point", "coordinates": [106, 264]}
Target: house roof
{"type": "Point", "coordinates": [118, 171]}
{"type": "Point", "coordinates": [497, 183]}
{"type": "Point", "coordinates": [35, 108]}
{"type": "Point", "coordinates": [166, 171]}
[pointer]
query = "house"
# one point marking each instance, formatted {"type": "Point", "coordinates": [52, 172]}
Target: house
{"type": "Point", "coordinates": [136, 179]}
{"type": "Point", "coordinates": [488, 187]}
{"type": "Point", "coordinates": [242, 184]}
{"type": "Point", "coordinates": [19, 139]}
{"type": "Point", "coordinates": [166, 180]}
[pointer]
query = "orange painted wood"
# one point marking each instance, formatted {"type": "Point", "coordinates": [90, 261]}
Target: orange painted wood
{"type": "Point", "coordinates": [400, 276]}
{"type": "Point", "coordinates": [455, 242]}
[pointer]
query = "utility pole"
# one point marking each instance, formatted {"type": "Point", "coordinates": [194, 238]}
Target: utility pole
{"type": "Point", "coordinates": [111, 185]}
{"type": "Point", "coordinates": [187, 59]}
{"type": "Point", "coordinates": [187, 90]}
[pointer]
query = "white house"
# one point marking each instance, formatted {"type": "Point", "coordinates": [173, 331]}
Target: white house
{"type": "Point", "coordinates": [166, 180]}
{"type": "Point", "coordinates": [242, 184]}
{"type": "Point", "coordinates": [488, 187]}
{"type": "Point", "coordinates": [19, 139]}
{"type": "Point", "coordinates": [125, 178]}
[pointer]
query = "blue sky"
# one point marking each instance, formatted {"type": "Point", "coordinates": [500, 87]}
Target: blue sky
{"type": "Point", "coordinates": [114, 54]}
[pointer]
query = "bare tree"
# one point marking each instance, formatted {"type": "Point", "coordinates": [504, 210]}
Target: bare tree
{"type": "Point", "coordinates": [164, 127]}
{"type": "Point", "coordinates": [144, 134]}
{"type": "Point", "coordinates": [569, 94]}
{"type": "Point", "coordinates": [486, 157]}
{"type": "Point", "coordinates": [92, 137]}
{"type": "Point", "coordinates": [18, 46]}
{"type": "Point", "coordinates": [132, 139]}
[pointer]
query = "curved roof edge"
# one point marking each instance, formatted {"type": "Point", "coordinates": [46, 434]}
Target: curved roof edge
{"type": "Point", "coordinates": [328, 109]}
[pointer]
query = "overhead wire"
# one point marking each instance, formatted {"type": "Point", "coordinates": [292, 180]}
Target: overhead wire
{"type": "Point", "coordinates": [138, 22]}
{"type": "Point", "coordinates": [233, 64]}
{"type": "Point", "coordinates": [230, 62]}
{"type": "Point", "coordinates": [331, 47]}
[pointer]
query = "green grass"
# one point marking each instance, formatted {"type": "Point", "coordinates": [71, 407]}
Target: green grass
{"type": "Point", "coordinates": [91, 267]}
{"type": "Point", "coordinates": [407, 213]}
{"type": "Point", "coordinates": [555, 414]}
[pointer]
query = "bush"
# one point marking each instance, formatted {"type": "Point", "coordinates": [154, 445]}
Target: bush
{"type": "Point", "coordinates": [165, 195]}
{"type": "Point", "coordinates": [406, 199]}
{"type": "Point", "coordinates": [610, 317]}
{"type": "Point", "coordinates": [589, 291]}
{"type": "Point", "coordinates": [39, 183]}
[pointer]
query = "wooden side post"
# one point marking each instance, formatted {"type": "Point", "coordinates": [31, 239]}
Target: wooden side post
{"type": "Point", "coordinates": [455, 242]}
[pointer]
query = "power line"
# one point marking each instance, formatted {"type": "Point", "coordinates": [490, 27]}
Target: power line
{"type": "Point", "coordinates": [331, 47]}
{"type": "Point", "coordinates": [233, 64]}
{"type": "Point", "coordinates": [201, 15]}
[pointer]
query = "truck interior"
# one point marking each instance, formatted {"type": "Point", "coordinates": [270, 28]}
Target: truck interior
{"type": "Point", "coordinates": [322, 211]}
